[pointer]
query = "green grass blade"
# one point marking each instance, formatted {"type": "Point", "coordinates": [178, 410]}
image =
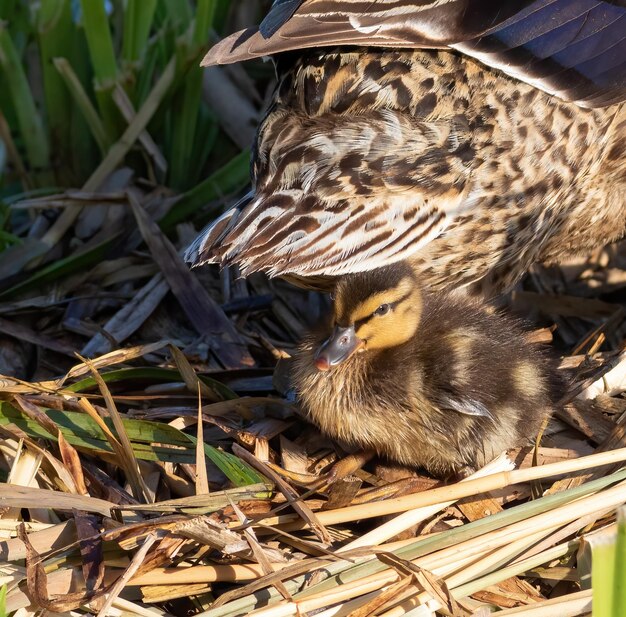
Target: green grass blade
{"type": "Point", "coordinates": [69, 135]}
{"type": "Point", "coordinates": [602, 575]}
{"type": "Point", "coordinates": [152, 374]}
{"type": "Point", "coordinates": [14, 16]}
{"type": "Point", "coordinates": [99, 40]}
{"type": "Point", "coordinates": [7, 9]}
{"type": "Point", "coordinates": [608, 569]}
{"type": "Point", "coordinates": [83, 102]}
{"type": "Point", "coordinates": [187, 105]}
{"type": "Point", "coordinates": [208, 134]}
{"type": "Point", "coordinates": [54, 25]}
{"type": "Point", "coordinates": [232, 177]}
{"type": "Point", "coordinates": [221, 13]}
{"type": "Point", "coordinates": [8, 239]}
{"type": "Point", "coordinates": [619, 580]}
{"type": "Point", "coordinates": [28, 117]}
{"type": "Point", "coordinates": [3, 601]}
{"type": "Point", "coordinates": [102, 55]}
{"type": "Point", "coordinates": [584, 561]}
{"type": "Point", "coordinates": [178, 13]}
{"type": "Point", "coordinates": [62, 267]}
{"type": "Point", "coordinates": [138, 17]}
{"type": "Point", "coordinates": [205, 12]}
{"type": "Point", "coordinates": [81, 431]}
{"type": "Point", "coordinates": [149, 64]}
{"type": "Point", "coordinates": [3, 154]}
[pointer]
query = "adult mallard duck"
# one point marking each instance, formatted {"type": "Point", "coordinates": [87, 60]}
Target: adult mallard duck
{"type": "Point", "coordinates": [439, 381]}
{"type": "Point", "coordinates": [471, 138]}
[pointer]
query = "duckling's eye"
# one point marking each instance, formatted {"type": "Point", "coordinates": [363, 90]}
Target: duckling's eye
{"type": "Point", "coordinates": [383, 309]}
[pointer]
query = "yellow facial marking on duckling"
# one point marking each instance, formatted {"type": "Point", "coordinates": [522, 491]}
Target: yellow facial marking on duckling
{"type": "Point", "coordinates": [395, 327]}
{"type": "Point", "coordinates": [527, 379]}
{"type": "Point", "coordinates": [390, 296]}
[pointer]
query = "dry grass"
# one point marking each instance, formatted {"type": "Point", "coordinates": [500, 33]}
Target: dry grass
{"type": "Point", "coordinates": [116, 499]}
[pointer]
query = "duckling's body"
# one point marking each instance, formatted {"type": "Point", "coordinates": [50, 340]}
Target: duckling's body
{"type": "Point", "coordinates": [438, 381]}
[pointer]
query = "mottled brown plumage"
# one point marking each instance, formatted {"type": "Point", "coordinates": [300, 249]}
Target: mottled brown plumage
{"type": "Point", "coordinates": [370, 156]}
{"type": "Point", "coordinates": [437, 381]}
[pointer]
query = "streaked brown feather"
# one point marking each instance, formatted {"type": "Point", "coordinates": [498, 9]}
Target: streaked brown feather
{"type": "Point", "coordinates": [368, 157]}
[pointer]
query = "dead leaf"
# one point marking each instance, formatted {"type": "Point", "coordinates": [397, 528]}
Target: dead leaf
{"type": "Point", "coordinates": [37, 583]}
{"type": "Point", "coordinates": [206, 316]}
{"type": "Point", "coordinates": [88, 532]}
{"type": "Point", "coordinates": [71, 460]}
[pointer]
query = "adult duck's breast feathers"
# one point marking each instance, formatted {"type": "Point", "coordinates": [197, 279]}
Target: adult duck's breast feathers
{"type": "Point", "coordinates": [575, 49]}
{"type": "Point", "coordinates": [369, 156]}
{"type": "Point", "coordinates": [341, 211]}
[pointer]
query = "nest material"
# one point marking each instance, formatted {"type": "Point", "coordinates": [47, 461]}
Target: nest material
{"type": "Point", "coordinates": [115, 495]}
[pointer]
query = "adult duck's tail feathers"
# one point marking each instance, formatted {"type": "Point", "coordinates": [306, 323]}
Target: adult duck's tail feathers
{"type": "Point", "coordinates": [575, 49]}
{"type": "Point", "coordinates": [204, 249]}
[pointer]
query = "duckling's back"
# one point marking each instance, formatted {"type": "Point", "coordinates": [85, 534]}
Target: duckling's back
{"type": "Point", "coordinates": [494, 387]}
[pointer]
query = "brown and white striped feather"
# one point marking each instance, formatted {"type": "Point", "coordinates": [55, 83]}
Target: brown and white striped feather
{"type": "Point", "coordinates": [368, 157]}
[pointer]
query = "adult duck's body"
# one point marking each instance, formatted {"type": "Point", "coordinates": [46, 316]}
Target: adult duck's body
{"type": "Point", "coordinates": [370, 156]}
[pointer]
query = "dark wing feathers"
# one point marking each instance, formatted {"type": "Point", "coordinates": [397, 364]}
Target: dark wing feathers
{"type": "Point", "coordinates": [382, 23]}
{"type": "Point", "coordinates": [575, 49]}
{"type": "Point", "coordinates": [281, 11]}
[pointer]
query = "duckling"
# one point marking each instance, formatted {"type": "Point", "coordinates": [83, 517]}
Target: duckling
{"type": "Point", "coordinates": [440, 381]}
{"type": "Point", "coordinates": [505, 147]}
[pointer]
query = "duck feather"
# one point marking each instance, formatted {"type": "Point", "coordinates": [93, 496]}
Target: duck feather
{"type": "Point", "coordinates": [575, 49]}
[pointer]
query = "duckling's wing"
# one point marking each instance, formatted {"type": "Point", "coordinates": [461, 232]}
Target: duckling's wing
{"type": "Point", "coordinates": [575, 49]}
{"type": "Point", "coordinates": [463, 405]}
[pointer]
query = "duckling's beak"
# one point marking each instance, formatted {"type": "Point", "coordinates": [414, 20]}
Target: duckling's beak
{"type": "Point", "coordinates": [343, 342]}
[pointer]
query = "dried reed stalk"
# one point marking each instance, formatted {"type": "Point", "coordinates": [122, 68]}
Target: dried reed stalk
{"type": "Point", "coordinates": [516, 537]}
{"type": "Point", "coordinates": [444, 494]}
{"type": "Point", "coordinates": [412, 517]}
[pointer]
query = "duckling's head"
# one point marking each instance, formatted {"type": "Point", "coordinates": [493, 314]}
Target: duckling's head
{"type": "Point", "coordinates": [374, 310]}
